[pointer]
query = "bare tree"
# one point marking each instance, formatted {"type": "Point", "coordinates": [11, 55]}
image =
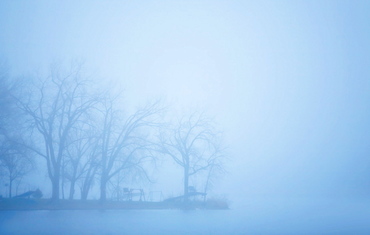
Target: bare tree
{"type": "Point", "coordinates": [15, 161]}
{"type": "Point", "coordinates": [82, 158]}
{"type": "Point", "coordinates": [78, 156]}
{"type": "Point", "coordinates": [6, 102]}
{"type": "Point", "coordinates": [9, 115]}
{"type": "Point", "coordinates": [55, 106]}
{"type": "Point", "coordinates": [124, 142]}
{"type": "Point", "coordinates": [89, 166]}
{"type": "Point", "coordinates": [87, 180]}
{"type": "Point", "coordinates": [213, 173]}
{"type": "Point", "coordinates": [194, 145]}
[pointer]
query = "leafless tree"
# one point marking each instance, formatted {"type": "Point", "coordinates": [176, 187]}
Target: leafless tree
{"type": "Point", "coordinates": [124, 141]}
{"type": "Point", "coordinates": [194, 145]}
{"type": "Point", "coordinates": [80, 155]}
{"type": "Point", "coordinates": [213, 174]}
{"type": "Point", "coordinates": [9, 115]}
{"type": "Point", "coordinates": [15, 161]}
{"type": "Point", "coordinates": [89, 169]}
{"type": "Point", "coordinates": [55, 105]}
{"type": "Point", "coordinates": [5, 102]}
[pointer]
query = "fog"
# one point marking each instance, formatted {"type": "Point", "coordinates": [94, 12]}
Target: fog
{"type": "Point", "coordinates": [287, 82]}
{"type": "Point", "coordinates": [257, 218]}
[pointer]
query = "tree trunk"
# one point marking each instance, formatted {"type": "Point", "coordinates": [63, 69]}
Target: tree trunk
{"type": "Point", "coordinates": [85, 191]}
{"type": "Point", "coordinates": [62, 186]}
{"type": "Point", "coordinates": [103, 188]}
{"type": "Point", "coordinates": [88, 182]}
{"type": "Point", "coordinates": [207, 183]}
{"type": "Point", "coordinates": [72, 190]}
{"type": "Point", "coordinates": [103, 179]}
{"type": "Point", "coordinates": [10, 187]}
{"type": "Point", "coordinates": [186, 184]}
{"type": "Point", "coordinates": [55, 188]}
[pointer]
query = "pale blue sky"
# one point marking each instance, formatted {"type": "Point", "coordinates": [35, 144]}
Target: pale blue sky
{"type": "Point", "coordinates": [288, 81]}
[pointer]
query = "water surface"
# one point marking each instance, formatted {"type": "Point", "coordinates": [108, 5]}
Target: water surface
{"type": "Point", "coordinates": [255, 217]}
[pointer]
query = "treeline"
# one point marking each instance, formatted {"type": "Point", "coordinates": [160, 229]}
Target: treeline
{"type": "Point", "coordinates": [86, 137]}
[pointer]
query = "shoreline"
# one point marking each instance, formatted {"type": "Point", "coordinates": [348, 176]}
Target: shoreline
{"type": "Point", "coordinates": [46, 204]}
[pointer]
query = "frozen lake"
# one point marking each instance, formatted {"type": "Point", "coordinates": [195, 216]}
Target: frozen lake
{"type": "Point", "coordinates": [256, 217]}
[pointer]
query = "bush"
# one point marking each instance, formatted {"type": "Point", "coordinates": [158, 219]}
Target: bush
{"type": "Point", "coordinates": [37, 194]}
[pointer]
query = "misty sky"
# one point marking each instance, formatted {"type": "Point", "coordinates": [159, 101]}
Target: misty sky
{"type": "Point", "coordinates": [287, 81]}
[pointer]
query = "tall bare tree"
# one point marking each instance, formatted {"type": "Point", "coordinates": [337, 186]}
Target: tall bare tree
{"type": "Point", "coordinates": [79, 155]}
{"type": "Point", "coordinates": [89, 169]}
{"type": "Point", "coordinates": [55, 105]}
{"type": "Point", "coordinates": [194, 145]}
{"type": "Point", "coordinates": [124, 142]}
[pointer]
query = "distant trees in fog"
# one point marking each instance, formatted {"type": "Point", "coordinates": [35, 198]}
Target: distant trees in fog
{"type": "Point", "coordinates": [86, 138]}
{"type": "Point", "coordinates": [15, 160]}
{"type": "Point", "coordinates": [194, 144]}
{"type": "Point", "coordinates": [81, 161]}
{"type": "Point", "coordinates": [56, 105]}
{"type": "Point", "coordinates": [124, 140]}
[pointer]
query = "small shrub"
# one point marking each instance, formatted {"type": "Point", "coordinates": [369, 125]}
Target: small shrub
{"type": "Point", "coordinates": [37, 194]}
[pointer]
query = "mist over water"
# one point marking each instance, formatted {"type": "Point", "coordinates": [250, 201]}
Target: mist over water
{"type": "Point", "coordinates": [258, 216]}
{"type": "Point", "coordinates": [286, 83]}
